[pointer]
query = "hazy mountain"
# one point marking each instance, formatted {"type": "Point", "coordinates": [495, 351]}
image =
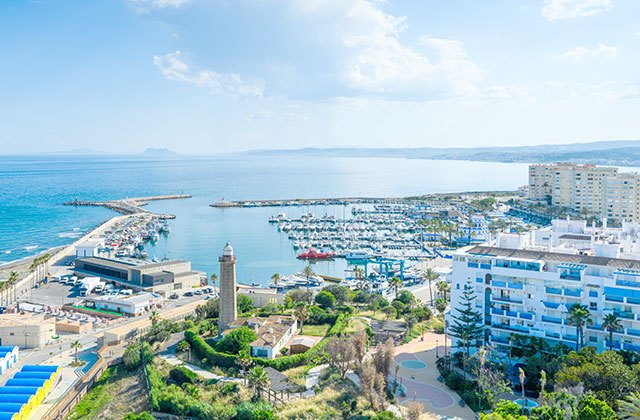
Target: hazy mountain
{"type": "Point", "coordinates": [160, 152]}
{"type": "Point", "coordinates": [623, 153]}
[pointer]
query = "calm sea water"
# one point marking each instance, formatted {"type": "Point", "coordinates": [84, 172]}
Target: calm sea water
{"type": "Point", "coordinates": [32, 190]}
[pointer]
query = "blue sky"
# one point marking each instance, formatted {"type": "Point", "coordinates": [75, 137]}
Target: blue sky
{"type": "Point", "coordinates": [210, 76]}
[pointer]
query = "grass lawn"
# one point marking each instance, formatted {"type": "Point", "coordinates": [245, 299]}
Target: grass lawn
{"type": "Point", "coordinates": [117, 393]}
{"type": "Point", "coordinates": [315, 330]}
{"type": "Point", "coordinates": [356, 324]}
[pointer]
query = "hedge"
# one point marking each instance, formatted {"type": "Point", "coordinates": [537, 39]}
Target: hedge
{"type": "Point", "coordinates": [205, 350]}
{"type": "Point", "coordinates": [281, 363]}
{"type": "Point", "coordinates": [295, 360]}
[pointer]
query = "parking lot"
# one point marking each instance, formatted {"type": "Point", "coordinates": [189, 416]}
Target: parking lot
{"type": "Point", "coordinates": [56, 294]}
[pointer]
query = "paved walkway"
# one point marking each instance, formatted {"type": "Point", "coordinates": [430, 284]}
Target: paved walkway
{"type": "Point", "coordinates": [422, 384]}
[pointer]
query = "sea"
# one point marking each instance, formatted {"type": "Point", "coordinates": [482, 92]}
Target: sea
{"type": "Point", "coordinates": [33, 188]}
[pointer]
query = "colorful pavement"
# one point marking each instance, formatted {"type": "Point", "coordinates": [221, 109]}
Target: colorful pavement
{"type": "Point", "coordinates": [422, 382]}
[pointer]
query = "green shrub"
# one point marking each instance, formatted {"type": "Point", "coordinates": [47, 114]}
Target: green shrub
{"type": "Point", "coordinates": [182, 375]}
{"type": "Point", "coordinates": [204, 350]}
{"type": "Point", "coordinates": [131, 356]}
{"type": "Point", "coordinates": [454, 381]}
{"type": "Point", "coordinates": [254, 411]}
{"type": "Point", "coordinates": [236, 340]}
{"type": "Point", "coordinates": [325, 299]}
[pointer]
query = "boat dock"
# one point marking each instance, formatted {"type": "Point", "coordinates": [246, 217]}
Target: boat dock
{"type": "Point", "coordinates": [298, 202]}
{"type": "Point", "coordinates": [130, 205]}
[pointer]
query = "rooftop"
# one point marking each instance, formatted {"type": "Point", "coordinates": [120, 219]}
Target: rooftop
{"type": "Point", "coordinates": [272, 331]}
{"type": "Point", "coordinates": [555, 256]}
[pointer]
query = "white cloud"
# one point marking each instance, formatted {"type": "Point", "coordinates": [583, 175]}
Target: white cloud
{"type": "Point", "coordinates": [377, 62]}
{"type": "Point", "coordinates": [506, 92]}
{"type": "Point", "coordinates": [156, 4]}
{"type": "Point", "coordinates": [174, 68]}
{"type": "Point", "coordinates": [582, 53]}
{"type": "Point", "coordinates": [567, 9]}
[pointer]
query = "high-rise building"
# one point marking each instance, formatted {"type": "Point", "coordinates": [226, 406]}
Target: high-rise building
{"type": "Point", "coordinates": [228, 307]}
{"type": "Point", "coordinates": [587, 189]}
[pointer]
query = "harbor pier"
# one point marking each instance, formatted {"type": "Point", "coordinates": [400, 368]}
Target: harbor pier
{"type": "Point", "coordinates": [131, 205]}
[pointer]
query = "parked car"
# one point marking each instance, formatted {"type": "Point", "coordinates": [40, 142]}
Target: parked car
{"type": "Point", "coordinates": [174, 296]}
{"type": "Point", "coordinates": [188, 294]}
{"type": "Point", "coordinates": [198, 292]}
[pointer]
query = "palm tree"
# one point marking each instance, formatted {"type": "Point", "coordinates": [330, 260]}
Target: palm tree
{"type": "Point", "coordinates": [522, 377]}
{"type": "Point", "coordinates": [579, 316]}
{"type": "Point", "coordinates": [396, 283]}
{"type": "Point", "coordinates": [214, 278]}
{"type": "Point", "coordinates": [431, 276]}
{"type": "Point", "coordinates": [443, 287]}
{"type": "Point", "coordinates": [258, 379]}
{"type": "Point", "coordinates": [155, 317]}
{"type": "Point", "coordinates": [307, 271]}
{"type": "Point", "coordinates": [301, 312]}
{"type": "Point", "coordinates": [612, 324]}
{"type": "Point", "coordinates": [275, 279]}
{"type": "Point", "coordinates": [76, 346]}
{"type": "Point", "coordinates": [244, 361]}
{"type": "Point", "coordinates": [629, 408]}
{"type": "Point", "coordinates": [543, 384]}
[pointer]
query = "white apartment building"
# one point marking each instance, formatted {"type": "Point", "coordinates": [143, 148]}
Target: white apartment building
{"type": "Point", "coordinates": [601, 191]}
{"type": "Point", "coordinates": [530, 292]}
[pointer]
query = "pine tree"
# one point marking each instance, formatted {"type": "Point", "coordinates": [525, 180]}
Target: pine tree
{"type": "Point", "coordinates": [467, 325]}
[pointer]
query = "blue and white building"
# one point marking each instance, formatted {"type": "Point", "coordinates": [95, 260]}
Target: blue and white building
{"type": "Point", "coordinates": [529, 292]}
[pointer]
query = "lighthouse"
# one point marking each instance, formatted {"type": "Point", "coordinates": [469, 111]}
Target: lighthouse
{"type": "Point", "coordinates": [228, 307]}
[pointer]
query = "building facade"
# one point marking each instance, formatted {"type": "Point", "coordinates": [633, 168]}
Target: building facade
{"type": "Point", "coordinates": [228, 298]}
{"type": "Point", "coordinates": [530, 293]}
{"type": "Point", "coordinates": [600, 191]}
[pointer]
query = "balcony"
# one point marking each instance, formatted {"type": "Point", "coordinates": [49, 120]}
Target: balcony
{"type": "Point", "coordinates": [501, 340]}
{"type": "Point", "coordinates": [526, 315]}
{"type": "Point", "coordinates": [624, 314]}
{"type": "Point", "coordinates": [506, 299]}
{"type": "Point", "coordinates": [551, 319]}
{"type": "Point", "coordinates": [472, 265]}
{"type": "Point", "coordinates": [632, 347]}
{"type": "Point", "coordinates": [571, 337]}
{"type": "Point", "coordinates": [631, 331]}
{"type": "Point", "coordinates": [616, 344]}
{"type": "Point", "coordinates": [515, 286]}
{"type": "Point", "coordinates": [553, 290]}
{"type": "Point", "coordinates": [512, 314]}
{"type": "Point", "coordinates": [614, 299]}
{"type": "Point", "coordinates": [628, 283]}
{"type": "Point", "coordinates": [551, 305]}
{"type": "Point", "coordinates": [485, 266]}
{"type": "Point", "coordinates": [573, 292]}
{"type": "Point", "coordinates": [496, 311]}
{"type": "Point", "coordinates": [498, 283]}
{"type": "Point", "coordinates": [514, 328]}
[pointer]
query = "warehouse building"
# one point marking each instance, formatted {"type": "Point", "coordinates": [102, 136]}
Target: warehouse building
{"type": "Point", "coordinates": [161, 277]}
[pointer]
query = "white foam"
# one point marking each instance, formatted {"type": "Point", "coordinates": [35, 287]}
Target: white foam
{"type": "Point", "coordinates": [31, 247]}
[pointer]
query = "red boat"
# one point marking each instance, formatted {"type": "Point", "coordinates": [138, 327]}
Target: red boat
{"type": "Point", "coordinates": [312, 254]}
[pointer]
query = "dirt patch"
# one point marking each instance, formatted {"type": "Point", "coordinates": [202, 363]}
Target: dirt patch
{"type": "Point", "coordinates": [130, 396]}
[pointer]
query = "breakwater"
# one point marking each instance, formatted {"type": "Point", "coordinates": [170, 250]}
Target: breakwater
{"type": "Point", "coordinates": [297, 202]}
{"type": "Point", "coordinates": [131, 205]}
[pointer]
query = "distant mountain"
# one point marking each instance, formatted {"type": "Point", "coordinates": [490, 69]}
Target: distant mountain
{"type": "Point", "coordinates": [621, 153]}
{"type": "Point", "coordinates": [161, 152]}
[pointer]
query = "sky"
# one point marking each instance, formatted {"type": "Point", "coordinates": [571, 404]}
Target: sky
{"type": "Point", "coordinates": [218, 76]}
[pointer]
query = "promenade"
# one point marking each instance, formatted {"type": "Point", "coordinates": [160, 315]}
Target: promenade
{"type": "Point", "coordinates": [418, 373]}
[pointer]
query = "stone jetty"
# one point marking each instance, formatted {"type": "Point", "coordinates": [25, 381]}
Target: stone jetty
{"type": "Point", "coordinates": [131, 205]}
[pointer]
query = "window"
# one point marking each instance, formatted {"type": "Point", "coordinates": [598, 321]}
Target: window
{"type": "Point", "coordinates": [593, 306]}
